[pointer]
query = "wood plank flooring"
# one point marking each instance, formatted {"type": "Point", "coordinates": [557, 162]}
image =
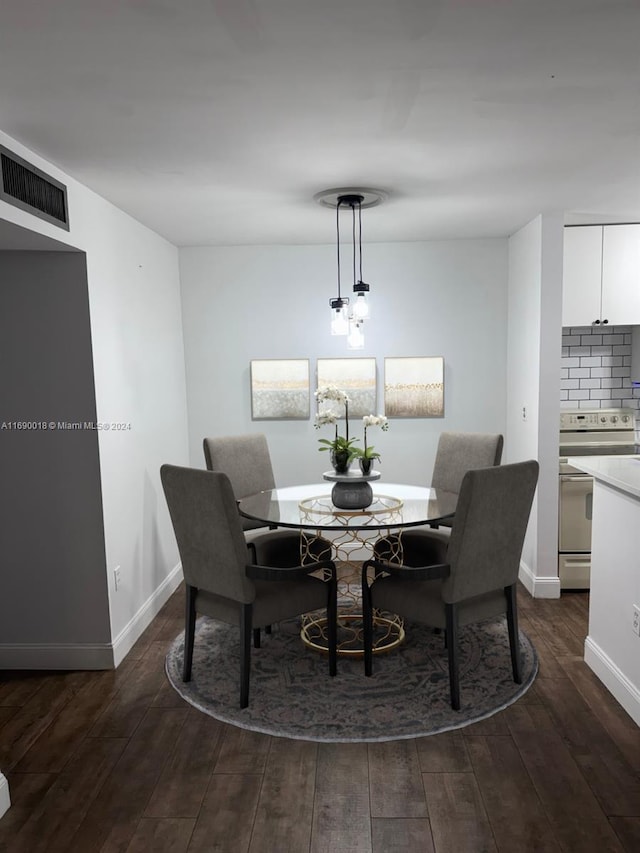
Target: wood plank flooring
{"type": "Point", "coordinates": [116, 761]}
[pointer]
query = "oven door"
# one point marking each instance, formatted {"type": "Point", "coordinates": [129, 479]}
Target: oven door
{"type": "Point", "coordinates": [576, 503]}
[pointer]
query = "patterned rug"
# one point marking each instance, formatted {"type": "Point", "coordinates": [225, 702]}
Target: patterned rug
{"type": "Point", "coordinates": [291, 693]}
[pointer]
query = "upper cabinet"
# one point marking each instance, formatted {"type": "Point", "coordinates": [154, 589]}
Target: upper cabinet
{"type": "Point", "coordinates": [601, 283]}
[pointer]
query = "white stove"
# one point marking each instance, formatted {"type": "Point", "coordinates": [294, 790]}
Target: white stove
{"type": "Point", "coordinates": [585, 432]}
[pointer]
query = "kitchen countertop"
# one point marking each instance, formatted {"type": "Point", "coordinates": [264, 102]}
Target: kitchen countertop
{"type": "Point", "coordinates": [621, 472]}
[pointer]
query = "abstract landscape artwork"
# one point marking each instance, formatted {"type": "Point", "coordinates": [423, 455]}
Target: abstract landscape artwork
{"type": "Point", "coordinates": [414, 387]}
{"type": "Point", "coordinates": [356, 377]}
{"type": "Point", "coordinates": [280, 389]}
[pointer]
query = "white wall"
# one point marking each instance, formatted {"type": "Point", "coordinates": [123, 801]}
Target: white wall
{"type": "Point", "coordinates": [136, 333]}
{"type": "Point", "coordinates": [428, 299]}
{"type": "Point", "coordinates": [533, 380]}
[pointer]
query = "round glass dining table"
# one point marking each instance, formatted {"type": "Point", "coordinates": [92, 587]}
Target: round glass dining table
{"type": "Point", "coordinates": [353, 533]}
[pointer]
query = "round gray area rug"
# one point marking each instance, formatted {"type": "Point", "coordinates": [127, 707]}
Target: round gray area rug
{"type": "Point", "coordinates": [291, 693]}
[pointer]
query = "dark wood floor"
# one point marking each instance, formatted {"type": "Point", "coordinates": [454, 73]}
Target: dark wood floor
{"type": "Point", "coordinates": [116, 761]}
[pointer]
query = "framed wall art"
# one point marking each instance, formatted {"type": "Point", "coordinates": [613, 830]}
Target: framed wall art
{"type": "Point", "coordinates": [356, 377]}
{"type": "Point", "coordinates": [414, 387]}
{"type": "Point", "coordinates": [280, 389]}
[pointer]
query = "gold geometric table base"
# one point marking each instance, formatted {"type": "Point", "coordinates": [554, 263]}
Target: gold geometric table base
{"type": "Point", "coordinates": [388, 634]}
{"type": "Point", "coordinates": [388, 630]}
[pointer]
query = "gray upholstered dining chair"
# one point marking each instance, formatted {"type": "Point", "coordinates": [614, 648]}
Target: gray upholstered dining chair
{"type": "Point", "coordinates": [457, 453]}
{"type": "Point", "coordinates": [246, 460]}
{"type": "Point", "coordinates": [219, 580]}
{"type": "Point", "coordinates": [470, 578]}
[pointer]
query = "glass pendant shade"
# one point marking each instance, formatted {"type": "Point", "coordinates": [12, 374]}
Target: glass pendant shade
{"type": "Point", "coordinates": [355, 340]}
{"type": "Point", "coordinates": [339, 318]}
{"type": "Point", "coordinates": [361, 307]}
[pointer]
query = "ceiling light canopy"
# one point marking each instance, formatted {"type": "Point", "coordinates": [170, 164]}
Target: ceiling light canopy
{"type": "Point", "coordinates": [347, 318]}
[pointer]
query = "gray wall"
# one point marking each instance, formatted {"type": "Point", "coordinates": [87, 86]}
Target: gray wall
{"type": "Point", "coordinates": [53, 575]}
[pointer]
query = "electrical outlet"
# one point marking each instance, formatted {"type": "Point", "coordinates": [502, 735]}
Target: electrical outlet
{"type": "Point", "coordinates": [636, 619]}
{"type": "Point", "coordinates": [524, 413]}
{"type": "Point", "coordinates": [116, 577]}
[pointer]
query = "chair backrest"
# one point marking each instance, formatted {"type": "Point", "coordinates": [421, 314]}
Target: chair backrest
{"type": "Point", "coordinates": [489, 529]}
{"type": "Point", "coordinates": [244, 459]}
{"type": "Point", "coordinates": [207, 526]}
{"type": "Point", "coordinates": [459, 452]}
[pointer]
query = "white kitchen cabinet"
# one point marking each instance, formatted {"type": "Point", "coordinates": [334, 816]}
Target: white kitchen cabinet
{"type": "Point", "coordinates": [601, 282]}
{"type": "Point", "coordinates": [621, 274]}
{"type": "Point", "coordinates": [582, 276]}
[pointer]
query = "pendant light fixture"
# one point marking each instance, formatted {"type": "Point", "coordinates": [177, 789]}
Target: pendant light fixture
{"type": "Point", "coordinates": [348, 317]}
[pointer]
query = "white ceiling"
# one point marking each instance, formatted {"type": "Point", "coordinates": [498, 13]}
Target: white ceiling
{"type": "Point", "coordinates": [216, 121]}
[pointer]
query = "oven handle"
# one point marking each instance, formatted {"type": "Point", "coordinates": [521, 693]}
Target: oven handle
{"type": "Point", "coordinates": [566, 478]}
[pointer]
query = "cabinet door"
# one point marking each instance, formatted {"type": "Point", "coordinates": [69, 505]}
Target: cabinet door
{"type": "Point", "coordinates": [582, 276]}
{"type": "Point", "coordinates": [621, 274]}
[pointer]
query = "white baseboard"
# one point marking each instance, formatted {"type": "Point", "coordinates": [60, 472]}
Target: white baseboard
{"type": "Point", "coordinates": [539, 587]}
{"type": "Point", "coordinates": [96, 655]}
{"type": "Point", "coordinates": [613, 679]}
{"type": "Point", "coordinates": [56, 656]}
{"type": "Point", "coordinates": [5, 799]}
{"type": "Point", "coordinates": [141, 620]}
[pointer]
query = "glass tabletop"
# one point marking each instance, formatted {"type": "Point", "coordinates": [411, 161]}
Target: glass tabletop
{"type": "Point", "coordinates": [309, 507]}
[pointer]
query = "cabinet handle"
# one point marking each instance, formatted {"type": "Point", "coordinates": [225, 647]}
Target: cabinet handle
{"type": "Point", "coordinates": [596, 322]}
{"type": "Point", "coordinates": [605, 322]}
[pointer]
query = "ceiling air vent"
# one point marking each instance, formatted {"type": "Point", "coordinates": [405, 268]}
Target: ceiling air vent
{"type": "Point", "coordinates": [26, 187]}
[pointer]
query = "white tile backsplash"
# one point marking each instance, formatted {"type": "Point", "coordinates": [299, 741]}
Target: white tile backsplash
{"type": "Point", "coordinates": [595, 370]}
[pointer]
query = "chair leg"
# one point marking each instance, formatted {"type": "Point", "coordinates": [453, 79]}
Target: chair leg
{"type": "Point", "coordinates": [452, 654]}
{"type": "Point", "coordinates": [246, 618]}
{"type": "Point", "coordinates": [189, 631]}
{"type": "Point", "coordinates": [514, 636]}
{"type": "Point", "coordinates": [367, 624]}
{"type": "Point", "coordinates": [332, 625]}
{"type": "Point", "coordinates": [256, 638]}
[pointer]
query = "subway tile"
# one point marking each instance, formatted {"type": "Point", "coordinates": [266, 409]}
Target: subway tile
{"type": "Point", "coordinates": [573, 362]}
{"type": "Point", "coordinates": [578, 330]}
{"type": "Point", "coordinates": [612, 339]}
{"type": "Point", "coordinates": [611, 383]}
{"type": "Point", "coordinates": [564, 352]}
{"type": "Point", "coordinates": [578, 395]}
{"type": "Point", "coordinates": [581, 372]}
{"type": "Point", "coordinates": [573, 351]}
{"type": "Point", "coordinates": [589, 404]}
{"type": "Point", "coordinates": [601, 350]}
{"type": "Point", "coordinates": [571, 340]}
{"type": "Point", "coordinates": [622, 350]}
{"type": "Point", "coordinates": [620, 371]}
{"type": "Point", "coordinates": [564, 395]}
{"type": "Point", "coordinates": [615, 404]}
{"type": "Point", "coordinates": [564, 373]}
{"type": "Point", "coordinates": [626, 360]}
{"type": "Point", "coordinates": [600, 394]}
{"type": "Point", "coordinates": [570, 384]}
{"type": "Point", "coordinates": [627, 339]}
{"type": "Point", "coordinates": [590, 340]}
{"type": "Point", "coordinates": [601, 372]}
{"type": "Point", "coordinates": [590, 361]}
{"type": "Point", "coordinates": [613, 361]}
{"type": "Point", "coordinates": [588, 383]}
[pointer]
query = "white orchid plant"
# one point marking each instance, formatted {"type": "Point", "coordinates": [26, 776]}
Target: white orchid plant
{"type": "Point", "coordinates": [368, 451]}
{"type": "Point", "coordinates": [339, 444]}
